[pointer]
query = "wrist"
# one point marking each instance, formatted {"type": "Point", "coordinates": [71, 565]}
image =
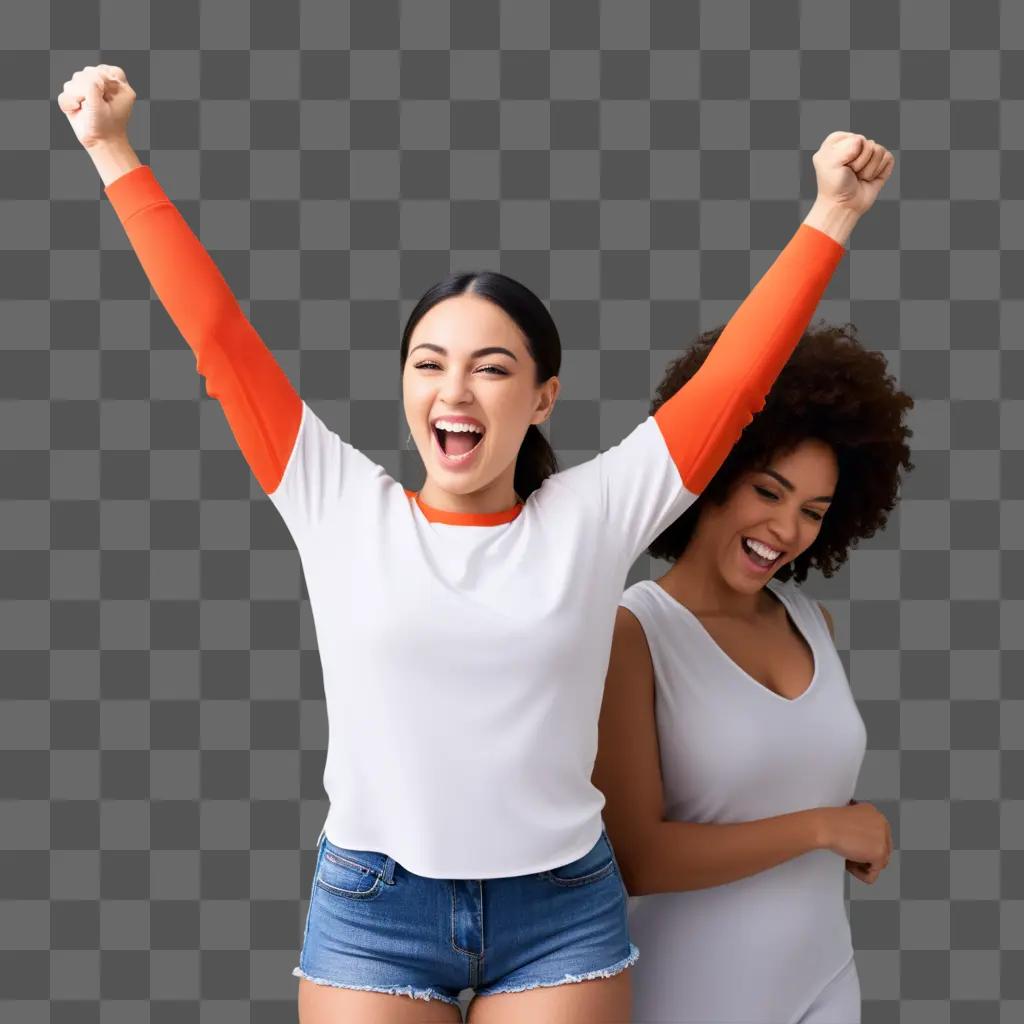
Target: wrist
{"type": "Point", "coordinates": [113, 157]}
{"type": "Point", "coordinates": [835, 220]}
{"type": "Point", "coordinates": [818, 828]}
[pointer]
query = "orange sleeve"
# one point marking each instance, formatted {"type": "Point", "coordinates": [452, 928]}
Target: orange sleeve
{"type": "Point", "coordinates": [704, 419]}
{"type": "Point", "coordinates": [262, 408]}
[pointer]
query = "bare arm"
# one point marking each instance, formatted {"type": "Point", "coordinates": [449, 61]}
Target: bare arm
{"type": "Point", "coordinates": [656, 855]}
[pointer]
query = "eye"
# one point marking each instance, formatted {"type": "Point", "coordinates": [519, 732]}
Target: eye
{"type": "Point", "coordinates": [764, 492]}
{"type": "Point", "coordinates": [428, 364]}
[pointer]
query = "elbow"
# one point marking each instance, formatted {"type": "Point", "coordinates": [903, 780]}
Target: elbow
{"type": "Point", "coordinates": [633, 880]}
{"type": "Point", "coordinates": [638, 887]}
{"type": "Point", "coordinates": [635, 867]}
{"type": "Point", "coordinates": [658, 864]}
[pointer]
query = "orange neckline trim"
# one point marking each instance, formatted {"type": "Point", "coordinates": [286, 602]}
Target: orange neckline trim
{"type": "Point", "coordinates": [440, 515]}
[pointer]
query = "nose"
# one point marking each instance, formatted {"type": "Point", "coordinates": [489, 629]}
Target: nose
{"type": "Point", "coordinates": [785, 527]}
{"type": "Point", "coordinates": [454, 389]}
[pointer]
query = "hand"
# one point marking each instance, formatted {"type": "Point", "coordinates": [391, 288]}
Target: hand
{"type": "Point", "coordinates": [859, 833]}
{"type": "Point", "coordinates": [864, 872]}
{"type": "Point", "coordinates": [851, 171]}
{"type": "Point", "coordinates": [98, 102]}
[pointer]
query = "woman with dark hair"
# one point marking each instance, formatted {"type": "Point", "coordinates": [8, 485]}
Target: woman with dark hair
{"type": "Point", "coordinates": [464, 630]}
{"type": "Point", "coordinates": [729, 742]}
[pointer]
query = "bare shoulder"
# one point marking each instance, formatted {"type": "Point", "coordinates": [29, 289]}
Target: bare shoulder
{"type": "Point", "coordinates": [630, 649]}
{"type": "Point", "coordinates": [628, 628]}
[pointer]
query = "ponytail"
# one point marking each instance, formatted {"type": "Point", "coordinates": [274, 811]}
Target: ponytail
{"type": "Point", "coordinates": [535, 463]}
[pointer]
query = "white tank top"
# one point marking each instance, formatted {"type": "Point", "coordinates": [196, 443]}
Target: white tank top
{"type": "Point", "coordinates": [760, 948]}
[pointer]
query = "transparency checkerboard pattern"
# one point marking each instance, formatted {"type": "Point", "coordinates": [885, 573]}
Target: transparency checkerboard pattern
{"type": "Point", "coordinates": [639, 164]}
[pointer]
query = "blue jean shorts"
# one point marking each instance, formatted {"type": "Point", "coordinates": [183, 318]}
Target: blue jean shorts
{"type": "Point", "coordinates": [373, 925]}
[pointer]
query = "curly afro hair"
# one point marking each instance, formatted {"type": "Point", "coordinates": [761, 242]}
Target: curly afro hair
{"type": "Point", "coordinates": [831, 389]}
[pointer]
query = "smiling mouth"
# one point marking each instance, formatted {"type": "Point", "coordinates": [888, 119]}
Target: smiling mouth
{"type": "Point", "coordinates": [755, 557]}
{"type": "Point", "coordinates": [457, 444]}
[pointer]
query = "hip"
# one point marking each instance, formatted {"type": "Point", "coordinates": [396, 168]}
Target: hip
{"type": "Point", "coordinates": [373, 923]}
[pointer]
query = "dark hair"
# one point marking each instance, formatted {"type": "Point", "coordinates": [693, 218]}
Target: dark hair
{"type": "Point", "coordinates": [831, 389]}
{"type": "Point", "coordinates": [536, 459]}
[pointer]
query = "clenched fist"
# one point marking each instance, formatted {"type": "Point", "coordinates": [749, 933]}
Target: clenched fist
{"type": "Point", "coordinates": [98, 102]}
{"type": "Point", "coordinates": [861, 834]}
{"type": "Point", "coordinates": [851, 170]}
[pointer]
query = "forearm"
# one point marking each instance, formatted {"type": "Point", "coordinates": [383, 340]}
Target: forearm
{"type": "Point", "coordinates": [704, 419]}
{"type": "Point", "coordinates": [113, 158]}
{"type": "Point", "coordinates": [260, 404]}
{"type": "Point", "coordinates": [677, 856]}
{"type": "Point", "coordinates": [835, 221]}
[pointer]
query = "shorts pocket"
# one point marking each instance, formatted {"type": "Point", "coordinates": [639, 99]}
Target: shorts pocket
{"type": "Point", "coordinates": [597, 863]}
{"type": "Point", "coordinates": [354, 874]}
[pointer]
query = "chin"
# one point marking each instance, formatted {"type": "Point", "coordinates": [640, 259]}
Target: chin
{"type": "Point", "coordinates": [746, 584]}
{"type": "Point", "coordinates": [455, 484]}
{"type": "Point", "coordinates": [752, 586]}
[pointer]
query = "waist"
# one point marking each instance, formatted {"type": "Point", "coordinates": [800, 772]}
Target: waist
{"type": "Point", "coordinates": [776, 913]}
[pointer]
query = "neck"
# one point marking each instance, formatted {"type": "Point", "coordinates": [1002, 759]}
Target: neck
{"type": "Point", "coordinates": [697, 582]}
{"type": "Point", "coordinates": [497, 496]}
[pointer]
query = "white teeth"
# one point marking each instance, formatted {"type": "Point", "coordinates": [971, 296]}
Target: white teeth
{"type": "Point", "coordinates": [457, 428]}
{"type": "Point", "coordinates": [763, 550]}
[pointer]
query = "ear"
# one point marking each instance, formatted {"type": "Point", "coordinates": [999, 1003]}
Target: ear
{"type": "Point", "coordinates": [546, 400]}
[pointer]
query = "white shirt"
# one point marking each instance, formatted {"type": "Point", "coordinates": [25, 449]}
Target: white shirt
{"type": "Point", "coordinates": [464, 666]}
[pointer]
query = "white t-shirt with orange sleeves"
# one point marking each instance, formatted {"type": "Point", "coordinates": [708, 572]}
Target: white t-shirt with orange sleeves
{"type": "Point", "coordinates": [464, 656]}
{"type": "Point", "coordinates": [464, 664]}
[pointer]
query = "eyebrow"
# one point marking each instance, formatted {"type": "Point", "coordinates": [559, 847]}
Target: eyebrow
{"type": "Point", "coordinates": [493, 350]}
{"type": "Point", "coordinates": [785, 483]}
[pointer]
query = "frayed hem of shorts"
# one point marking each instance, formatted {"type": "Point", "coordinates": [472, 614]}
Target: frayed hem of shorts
{"type": "Point", "coordinates": [395, 990]}
{"type": "Point", "coordinates": [604, 972]}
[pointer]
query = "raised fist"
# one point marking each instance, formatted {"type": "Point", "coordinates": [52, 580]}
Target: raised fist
{"type": "Point", "coordinates": [851, 170]}
{"type": "Point", "coordinates": [98, 102]}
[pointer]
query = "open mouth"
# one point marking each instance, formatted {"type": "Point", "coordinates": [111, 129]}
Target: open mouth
{"type": "Point", "coordinates": [760, 554]}
{"type": "Point", "coordinates": [457, 441]}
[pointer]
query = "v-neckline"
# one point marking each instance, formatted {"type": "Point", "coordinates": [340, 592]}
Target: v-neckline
{"type": "Point", "coordinates": [790, 614]}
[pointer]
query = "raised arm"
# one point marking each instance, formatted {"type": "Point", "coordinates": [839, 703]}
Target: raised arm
{"type": "Point", "coordinates": [260, 404]}
{"type": "Point", "coordinates": [705, 418]}
{"type": "Point", "coordinates": [658, 855]}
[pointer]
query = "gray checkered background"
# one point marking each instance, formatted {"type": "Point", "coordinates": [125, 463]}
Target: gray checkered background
{"type": "Point", "coordinates": [162, 725]}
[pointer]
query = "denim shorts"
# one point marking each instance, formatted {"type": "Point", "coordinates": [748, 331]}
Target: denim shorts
{"type": "Point", "coordinates": [373, 925]}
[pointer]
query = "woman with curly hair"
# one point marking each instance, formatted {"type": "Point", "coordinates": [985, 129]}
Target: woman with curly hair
{"type": "Point", "coordinates": [729, 741]}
